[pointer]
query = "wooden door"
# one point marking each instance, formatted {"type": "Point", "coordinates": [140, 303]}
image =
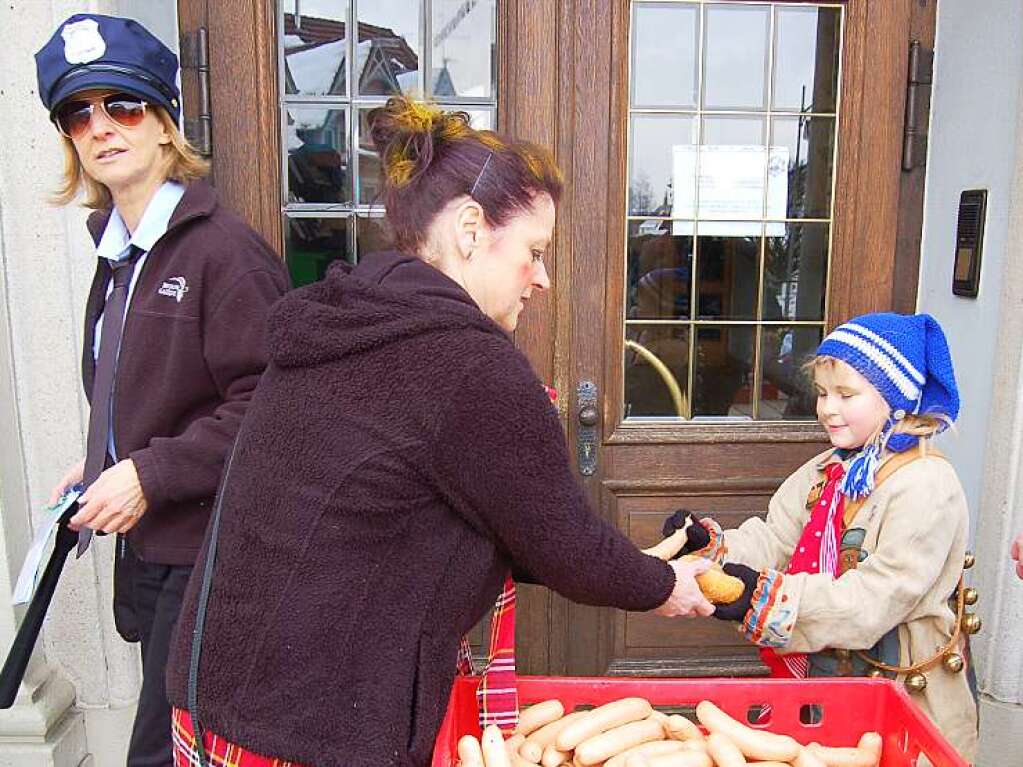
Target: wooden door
{"type": "Point", "coordinates": [689, 320]}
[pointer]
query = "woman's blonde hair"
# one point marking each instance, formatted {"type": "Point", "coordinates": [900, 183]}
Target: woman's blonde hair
{"type": "Point", "coordinates": [921, 425]}
{"type": "Point", "coordinates": [183, 163]}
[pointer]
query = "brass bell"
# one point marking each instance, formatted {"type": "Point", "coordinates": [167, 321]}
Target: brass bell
{"type": "Point", "coordinates": [970, 596]}
{"type": "Point", "coordinates": [953, 662]}
{"type": "Point", "coordinates": [916, 682]}
{"type": "Point", "coordinates": [875, 673]}
{"type": "Point", "coordinates": [969, 561]}
{"type": "Point", "coordinates": [971, 623]}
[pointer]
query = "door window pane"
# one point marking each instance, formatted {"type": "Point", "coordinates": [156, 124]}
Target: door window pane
{"type": "Point", "coordinates": [311, 244]}
{"type": "Point", "coordinates": [723, 373]}
{"type": "Point", "coordinates": [388, 48]}
{"type": "Point", "coordinates": [728, 274]}
{"type": "Point", "coordinates": [666, 48]}
{"type": "Point", "coordinates": [661, 165]}
{"type": "Point", "coordinates": [656, 371]}
{"type": "Point", "coordinates": [795, 273]}
{"type": "Point", "coordinates": [786, 387]}
{"type": "Point", "coordinates": [806, 59]}
{"type": "Point", "coordinates": [464, 40]}
{"type": "Point", "coordinates": [736, 56]}
{"type": "Point", "coordinates": [317, 144]}
{"type": "Point", "coordinates": [659, 273]}
{"type": "Point", "coordinates": [803, 150]}
{"type": "Point", "coordinates": [314, 47]}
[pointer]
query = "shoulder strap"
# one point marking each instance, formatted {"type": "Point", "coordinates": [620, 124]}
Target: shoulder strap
{"type": "Point", "coordinates": [889, 467]}
{"type": "Point", "coordinates": [200, 617]}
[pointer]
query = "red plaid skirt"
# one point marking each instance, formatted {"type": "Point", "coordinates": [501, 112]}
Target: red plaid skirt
{"type": "Point", "coordinates": [220, 752]}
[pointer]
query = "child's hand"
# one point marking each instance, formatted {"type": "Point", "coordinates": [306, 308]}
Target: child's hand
{"type": "Point", "coordinates": [1017, 554]}
{"type": "Point", "coordinates": [697, 535]}
{"type": "Point", "coordinates": [736, 611]}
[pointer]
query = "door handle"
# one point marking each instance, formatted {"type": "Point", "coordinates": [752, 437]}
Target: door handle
{"type": "Point", "coordinates": [586, 433]}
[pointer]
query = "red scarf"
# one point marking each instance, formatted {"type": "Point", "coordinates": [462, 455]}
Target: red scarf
{"type": "Point", "coordinates": [816, 552]}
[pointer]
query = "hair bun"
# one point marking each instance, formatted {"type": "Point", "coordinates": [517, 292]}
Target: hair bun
{"type": "Point", "coordinates": [405, 133]}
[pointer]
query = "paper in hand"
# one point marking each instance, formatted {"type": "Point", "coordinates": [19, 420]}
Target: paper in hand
{"type": "Point", "coordinates": [30, 569]}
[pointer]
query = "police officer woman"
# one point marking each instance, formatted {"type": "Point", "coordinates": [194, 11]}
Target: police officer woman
{"type": "Point", "coordinates": [174, 330]}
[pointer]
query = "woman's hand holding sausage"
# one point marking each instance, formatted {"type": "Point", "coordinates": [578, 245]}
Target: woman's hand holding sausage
{"type": "Point", "coordinates": [686, 598]}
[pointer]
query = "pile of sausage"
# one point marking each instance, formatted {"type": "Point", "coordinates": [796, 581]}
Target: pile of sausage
{"type": "Point", "coordinates": [630, 733]}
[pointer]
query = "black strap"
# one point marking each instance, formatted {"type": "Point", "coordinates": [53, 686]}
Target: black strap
{"type": "Point", "coordinates": [200, 616]}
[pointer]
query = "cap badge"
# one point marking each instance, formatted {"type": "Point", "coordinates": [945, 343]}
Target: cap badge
{"type": "Point", "coordinates": [82, 41]}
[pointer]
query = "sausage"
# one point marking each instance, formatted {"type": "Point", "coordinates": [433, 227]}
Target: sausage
{"type": "Point", "coordinates": [719, 587]}
{"type": "Point", "coordinates": [553, 758]}
{"type": "Point", "coordinates": [723, 751]}
{"type": "Point", "coordinates": [602, 718]}
{"type": "Point", "coordinates": [538, 740]}
{"type": "Point", "coordinates": [539, 714]}
{"type": "Point", "coordinates": [470, 754]}
{"type": "Point", "coordinates": [681, 728]}
{"type": "Point", "coordinates": [682, 758]}
{"type": "Point", "coordinates": [871, 743]}
{"type": "Point", "coordinates": [842, 757]}
{"type": "Point", "coordinates": [756, 744]}
{"type": "Point", "coordinates": [807, 758]}
{"type": "Point", "coordinates": [601, 747]}
{"type": "Point", "coordinates": [513, 743]}
{"type": "Point", "coordinates": [649, 749]}
{"type": "Point", "coordinates": [492, 743]}
{"type": "Point", "coordinates": [768, 764]}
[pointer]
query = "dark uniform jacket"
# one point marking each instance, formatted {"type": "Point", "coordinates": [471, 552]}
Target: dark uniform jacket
{"type": "Point", "coordinates": [192, 351]}
{"type": "Point", "coordinates": [398, 458]}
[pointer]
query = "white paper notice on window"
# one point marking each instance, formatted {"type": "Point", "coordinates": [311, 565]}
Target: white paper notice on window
{"type": "Point", "coordinates": [732, 191]}
{"type": "Point", "coordinates": [30, 569]}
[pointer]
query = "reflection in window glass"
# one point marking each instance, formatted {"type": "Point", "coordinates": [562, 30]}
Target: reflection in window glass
{"type": "Point", "coordinates": [723, 371]}
{"type": "Point", "coordinates": [795, 273]}
{"type": "Point", "coordinates": [733, 116]}
{"type": "Point", "coordinates": [388, 48]}
{"type": "Point", "coordinates": [786, 390]}
{"type": "Point", "coordinates": [807, 147]}
{"type": "Point", "coordinates": [464, 38]}
{"type": "Point", "coordinates": [665, 51]}
{"type": "Point", "coordinates": [736, 56]}
{"type": "Point", "coordinates": [311, 244]}
{"type": "Point", "coordinates": [806, 59]}
{"type": "Point", "coordinates": [658, 144]}
{"type": "Point", "coordinates": [317, 143]}
{"type": "Point", "coordinates": [656, 371]}
{"type": "Point", "coordinates": [314, 47]}
{"type": "Point", "coordinates": [659, 272]}
{"type": "Point", "coordinates": [728, 274]}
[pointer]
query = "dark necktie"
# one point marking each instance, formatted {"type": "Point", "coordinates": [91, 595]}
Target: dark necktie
{"type": "Point", "coordinates": [103, 380]}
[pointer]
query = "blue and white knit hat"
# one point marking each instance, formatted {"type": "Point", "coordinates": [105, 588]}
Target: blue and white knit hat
{"type": "Point", "coordinates": [906, 358]}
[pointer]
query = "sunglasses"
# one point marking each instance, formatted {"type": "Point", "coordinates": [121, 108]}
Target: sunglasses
{"type": "Point", "coordinates": [73, 118]}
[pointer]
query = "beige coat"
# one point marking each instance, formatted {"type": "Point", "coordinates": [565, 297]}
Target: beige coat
{"type": "Point", "coordinates": [916, 525]}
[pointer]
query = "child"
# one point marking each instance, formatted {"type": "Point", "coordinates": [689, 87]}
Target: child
{"type": "Point", "coordinates": [855, 570]}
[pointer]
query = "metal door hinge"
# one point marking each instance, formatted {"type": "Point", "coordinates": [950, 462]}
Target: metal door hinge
{"type": "Point", "coordinates": [195, 54]}
{"type": "Point", "coordinates": [918, 99]}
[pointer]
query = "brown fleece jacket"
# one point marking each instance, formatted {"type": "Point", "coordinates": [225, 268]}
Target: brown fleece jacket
{"type": "Point", "coordinates": [398, 458]}
{"type": "Point", "coordinates": [188, 363]}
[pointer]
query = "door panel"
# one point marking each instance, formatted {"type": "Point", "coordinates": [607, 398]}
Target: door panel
{"type": "Point", "coordinates": [634, 281]}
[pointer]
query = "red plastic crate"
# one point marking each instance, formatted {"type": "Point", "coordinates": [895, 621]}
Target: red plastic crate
{"type": "Point", "coordinates": [849, 707]}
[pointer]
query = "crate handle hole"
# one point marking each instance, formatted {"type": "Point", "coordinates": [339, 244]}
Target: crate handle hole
{"type": "Point", "coordinates": [811, 714]}
{"type": "Point", "coordinates": [759, 714]}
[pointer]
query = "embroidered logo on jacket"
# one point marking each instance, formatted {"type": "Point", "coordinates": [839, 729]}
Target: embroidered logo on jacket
{"type": "Point", "coordinates": [175, 288]}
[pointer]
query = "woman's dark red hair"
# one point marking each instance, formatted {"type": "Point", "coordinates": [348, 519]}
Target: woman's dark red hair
{"type": "Point", "coordinates": [431, 157]}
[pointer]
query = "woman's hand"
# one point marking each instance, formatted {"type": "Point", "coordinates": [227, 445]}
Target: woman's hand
{"type": "Point", "coordinates": [686, 598]}
{"type": "Point", "coordinates": [114, 503]}
{"type": "Point", "coordinates": [71, 478]}
{"type": "Point", "coordinates": [1017, 554]}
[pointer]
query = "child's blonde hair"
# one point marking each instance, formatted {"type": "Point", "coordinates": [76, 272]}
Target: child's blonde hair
{"type": "Point", "coordinates": [921, 425]}
{"type": "Point", "coordinates": [183, 164]}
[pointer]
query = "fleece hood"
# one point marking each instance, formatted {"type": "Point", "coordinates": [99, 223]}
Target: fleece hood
{"type": "Point", "coordinates": [388, 297]}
